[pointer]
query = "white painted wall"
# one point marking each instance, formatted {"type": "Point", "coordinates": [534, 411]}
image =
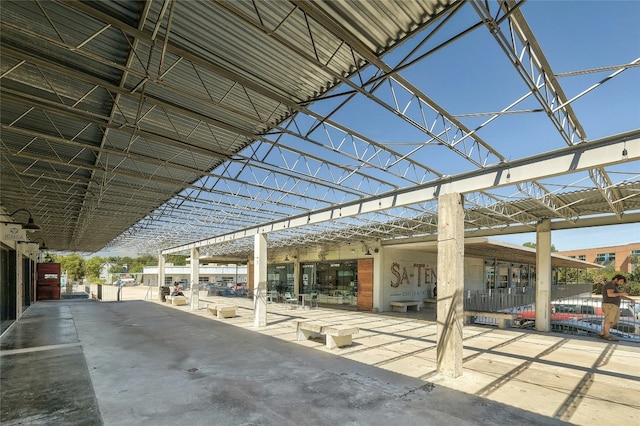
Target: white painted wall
{"type": "Point", "coordinates": [406, 275]}
{"type": "Point", "coordinates": [415, 275]}
{"type": "Point", "coordinates": [473, 274]}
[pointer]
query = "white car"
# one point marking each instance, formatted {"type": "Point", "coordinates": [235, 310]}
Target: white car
{"type": "Point", "coordinates": [592, 327]}
{"type": "Point", "coordinates": [124, 282]}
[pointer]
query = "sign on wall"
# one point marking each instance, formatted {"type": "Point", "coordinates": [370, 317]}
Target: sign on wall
{"type": "Point", "coordinates": [13, 232]}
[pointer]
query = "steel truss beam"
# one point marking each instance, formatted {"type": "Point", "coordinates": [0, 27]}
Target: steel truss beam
{"type": "Point", "coordinates": [525, 54]}
{"type": "Point", "coordinates": [572, 159]}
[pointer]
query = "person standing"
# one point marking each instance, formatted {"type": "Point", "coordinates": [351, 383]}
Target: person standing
{"type": "Point", "coordinates": [611, 297]}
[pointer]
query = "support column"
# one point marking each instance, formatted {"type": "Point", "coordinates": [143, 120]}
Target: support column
{"type": "Point", "coordinates": [160, 274]}
{"type": "Point", "coordinates": [260, 281]}
{"type": "Point", "coordinates": [543, 275]}
{"type": "Point", "coordinates": [450, 284]}
{"type": "Point", "coordinates": [195, 278]}
{"type": "Point", "coordinates": [296, 275]}
{"type": "Point", "coordinates": [378, 286]}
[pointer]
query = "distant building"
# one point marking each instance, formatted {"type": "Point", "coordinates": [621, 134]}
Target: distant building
{"type": "Point", "coordinates": [624, 258]}
{"type": "Point", "coordinates": [223, 274]}
{"type": "Point", "coordinates": [105, 270]}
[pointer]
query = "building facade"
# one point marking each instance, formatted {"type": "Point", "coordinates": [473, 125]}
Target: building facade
{"type": "Point", "coordinates": [220, 274]}
{"type": "Point", "coordinates": [624, 258]}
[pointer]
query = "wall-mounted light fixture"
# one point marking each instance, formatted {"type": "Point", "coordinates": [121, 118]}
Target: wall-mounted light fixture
{"type": "Point", "coordinates": [30, 225]}
{"type": "Point", "coordinates": [625, 153]}
{"type": "Point", "coordinates": [41, 247]}
{"type": "Point", "coordinates": [368, 250]}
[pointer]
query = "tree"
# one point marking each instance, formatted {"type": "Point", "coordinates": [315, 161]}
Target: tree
{"type": "Point", "coordinates": [92, 266]}
{"type": "Point", "coordinates": [176, 259]}
{"type": "Point", "coordinates": [533, 245]}
{"type": "Point", "coordinates": [116, 269]}
{"type": "Point", "coordinates": [137, 265]}
{"type": "Point", "coordinates": [73, 264]}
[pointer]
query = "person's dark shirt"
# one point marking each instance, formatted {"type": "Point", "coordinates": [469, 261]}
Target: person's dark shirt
{"type": "Point", "coordinates": [605, 295]}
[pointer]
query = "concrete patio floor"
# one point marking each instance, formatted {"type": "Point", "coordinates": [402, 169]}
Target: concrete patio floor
{"type": "Point", "coordinates": [146, 362]}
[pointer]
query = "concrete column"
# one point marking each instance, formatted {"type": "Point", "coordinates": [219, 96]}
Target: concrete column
{"type": "Point", "coordinates": [260, 281]}
{"type": "Point", "coordinates": [296, 276]}
{"type": "Point", "coordinates": [450, 284]}
{"type": "Point", "coordinates": [543, 275]}
{"type": "Point", "coordinates": [19, 274]}
{"type": "Point", "coordinates": [378, 274]}
{"type": "Point", "coordinates": [160, 273]}
{"type": "Point", "coordinates": [195, 278]}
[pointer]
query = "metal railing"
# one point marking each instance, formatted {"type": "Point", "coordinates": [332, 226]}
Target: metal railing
{"type": "Point", "coordinates": [508, 298]}
{"type": "Point", "coordinates": [573, 310]}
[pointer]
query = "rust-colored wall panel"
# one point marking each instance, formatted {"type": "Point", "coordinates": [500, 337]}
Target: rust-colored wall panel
{"type": "Point", "coordinates": [250, 278]}
{"type": "Point", "coordinates": [365, 284]}
{"type": "Point", "coordinates": [48, 274]}
{"type": "Point", "coordinates": [48, 285]}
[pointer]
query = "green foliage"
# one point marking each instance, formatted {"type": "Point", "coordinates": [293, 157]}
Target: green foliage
{"type": "Point", "coordinates": [92, 267]}
{"type": "Point", "coordinates": [597, 288]}
{"type": "Point", "coordinates": [601, 276]}
{"type": "Point", "coordinates": [116, 269]}
{"type": "Point", "coordinates": [77, 267]}
{"type": "Point", "coordinates": [633, 288]}
{"type": "Point", "coordinates": [73, 265]}
{"type": "Point", "coordinates": [533, 245]}
{"type": "Point", "coordinates": [176, 259]}
{"type": "Point", "coordinates": [137, 265]}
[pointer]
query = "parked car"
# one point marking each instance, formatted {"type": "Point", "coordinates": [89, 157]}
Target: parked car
{"type": "Point", "coordinates": [571, 309]}
{"type": "Point", "coordinates": [629, 326]}
{"type": "Point", "coordinates": [587, 328]}
{"type": "Point", "coordinates": [124, 282]}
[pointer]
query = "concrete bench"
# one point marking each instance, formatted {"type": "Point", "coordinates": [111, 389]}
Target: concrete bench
{"type": "Point", "coordinates": [222, 311]}
{"type": "Point", "coordinates": [337, 335]}
{"type": "Point", "coordinates": [176, 300]}
{"type": "Point", "coordinates": [400, 306]}
{"type": "Point", "coordinates": [504, 318]}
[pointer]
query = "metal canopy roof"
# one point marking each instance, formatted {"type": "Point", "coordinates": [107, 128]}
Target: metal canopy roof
{"type": "Point", "coordinates": [149, 125]}
{"type": "Point", "coordinates": [485, 248]}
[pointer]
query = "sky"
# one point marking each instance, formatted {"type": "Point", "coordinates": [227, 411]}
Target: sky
{"type": "Point", "coordinates": [583, 238]}
{"type": "Point", "coordinates": [608, 33]}
{"type": "Point", "coordinates": [575, 36]}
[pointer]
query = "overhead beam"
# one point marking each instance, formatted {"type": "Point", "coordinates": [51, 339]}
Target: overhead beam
{"type": "Point", "coordinates": [580, 157]}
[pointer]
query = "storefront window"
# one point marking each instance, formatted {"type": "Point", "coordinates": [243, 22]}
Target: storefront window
{"type": "Point", "coordinates": [489, 275]}
{"type": "Point", "coordinates": [507, 275]}
{"type": "Point", "coordinates": [280, 278]}
{"type": "Point", "coordinates": [335, 282]}
{"type": "Point", "coordinates": [308, 281]}
{"type": "Point", "coordinates": [503, 275]}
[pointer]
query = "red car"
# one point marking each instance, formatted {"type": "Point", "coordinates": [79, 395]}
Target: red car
{"type": "Point", "coordinates": [567, 311]}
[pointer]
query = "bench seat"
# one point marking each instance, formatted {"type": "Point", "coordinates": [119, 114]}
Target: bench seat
{"type": "Point", "coordinates": [176, 300]}
{"type": "Point", "coordinates": [401, 306]}
{"type": "Point", "coordinates": [222, 310]}
{"type": "Point", "coordinates": [337, 335]}
{"type": "Point", "coordinates": [504, 318]}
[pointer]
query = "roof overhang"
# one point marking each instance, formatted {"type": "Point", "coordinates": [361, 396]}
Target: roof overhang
{"type": "Point", "coordinates": [486, 248]}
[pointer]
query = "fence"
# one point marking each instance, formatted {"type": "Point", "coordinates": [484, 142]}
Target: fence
{"type": "Point", "coordinates": [573, 310]}
{"type": "Point", "coordinates": [517, 297]}
{"type": "Point", "coordinates": [105, 293]}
